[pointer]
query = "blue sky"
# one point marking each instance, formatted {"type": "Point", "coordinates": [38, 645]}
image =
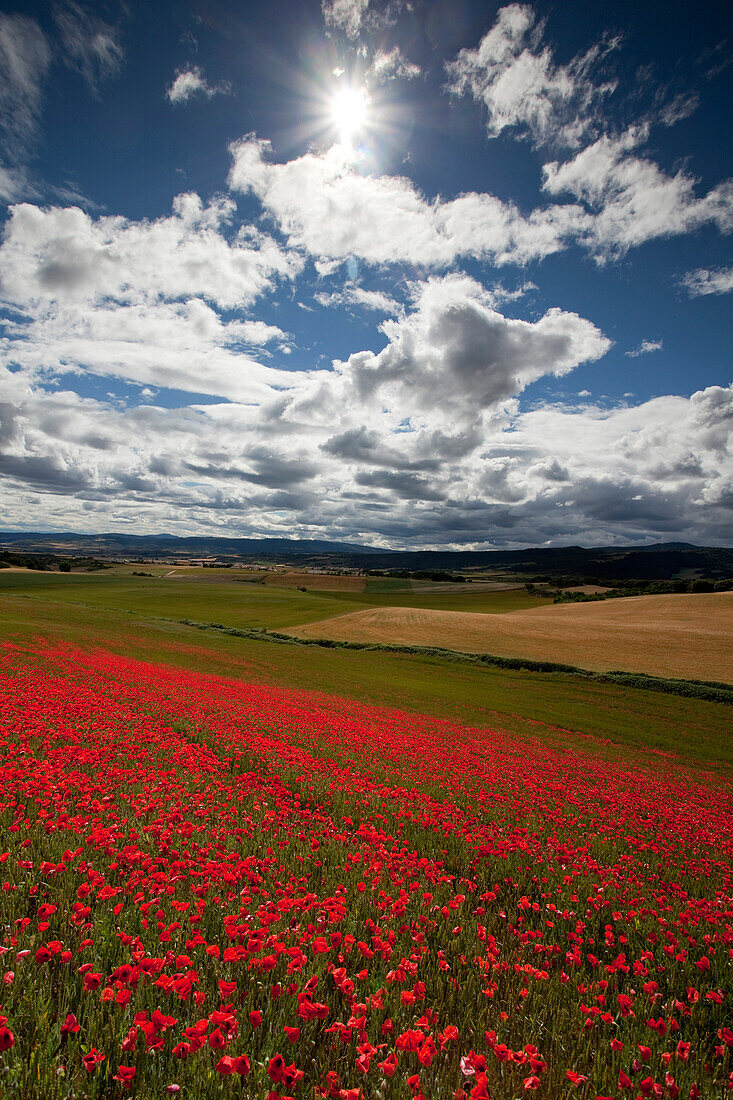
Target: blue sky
{"type": "Point", "coordinates": [410, 273]}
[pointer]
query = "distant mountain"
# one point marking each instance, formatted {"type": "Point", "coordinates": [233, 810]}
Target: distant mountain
{"type": "Point", "coordinates": [557, 564]}
{"type": "Point", "coordinates": [573, 564]}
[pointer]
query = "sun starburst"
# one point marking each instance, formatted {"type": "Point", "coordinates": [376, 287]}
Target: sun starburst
{"type": "Point", "coordinates": [349, 112]}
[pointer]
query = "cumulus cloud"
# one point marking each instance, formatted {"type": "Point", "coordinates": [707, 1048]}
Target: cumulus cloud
{"type": "Point", "coordinates": [522, 87]}
{"type": "Point", "coordinates": [708, 281]}
{"type": "Point", "coordinates": [455, 356]}
{"type": "Point", "coordinates": [415, 419]}
{"type": "Point", "coordinates": [659, 469]}
{"type": "Point", "coordinates": [630, 199]}
{"type": "Point", "coordinates": [644, 348]}
{"type": "Point", "coordinates": [63, 255]}
{"type": "Point", "coordinates": [190, 82]}
{"type": "Point", "coordinates": [345, 15]}
{"type": "Point", "coordinates": [626, 198]}
{"type": "Point", "coordinates": [89, 44]}
{"type": "Point", "coordinates": [421, 443]}
{"type": "Point", "coordinates": [140, 300]}
{"type": "Point", "coordinates": [325, 204]}
{"type": "Point", "coordinates": [329, 205]}
{"type": "Point", "coordinates": [446, 380]}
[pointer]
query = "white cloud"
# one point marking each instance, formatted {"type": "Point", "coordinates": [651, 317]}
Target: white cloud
{"type": "Point", "coordinates": [253, 332]}
{"type": "Point", "coordinates": [708, 281]}
{"type": "Point", "coordinates": [521, 86]}
{"type": "Point", "coordinates": [183, 346]}
{"type": "Point", "coordinates": [677, 109]}
{"type": "Point", "coordinates": [390, 65]}
{"type": "Point", "coordinates": [421, 443]}
{"type": "Point", "coordinates": [24, 59]}
{"type": "Point", "coordinates": [448, 366]}
{"type": "Point", "coordinates": [64, 256]}
{"type": "Point", "coordinates": [644, 348]}
{"type": "Point", "coordinates": [14, 184]}
{"type": "Point", "coordinates": [325, 204]}
{"type": "Point", "coordinates": [345, 15]}
{"type": "Point", "coordinates": [138, 300]}
{"type": "Point", "coordinates": [328, 204]}
{"type": "Point", "coordinates": [89, 44]}
{"type": "Point", "coordinates": [660, 469]}
{"type": "Point", "coordinates": [190, 82]}
{"type": "Point", "coordinates": [375, 300]}
{"type": "Point", "coordinates": [630, 199]}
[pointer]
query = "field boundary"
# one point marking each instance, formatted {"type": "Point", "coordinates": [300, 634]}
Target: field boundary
{"type": "Point", "coordinates": [711, 690]}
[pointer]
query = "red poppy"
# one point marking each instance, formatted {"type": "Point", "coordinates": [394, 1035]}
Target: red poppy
{"type": "Point", "coordinates": [275, 1068]}
{"type": "Point", "coordinates": [92, 1059]}
{"type": "Point", "coordinates": [125, 1075]}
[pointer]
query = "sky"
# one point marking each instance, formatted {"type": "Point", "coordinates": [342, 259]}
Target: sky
{"type": "Point", "coordinates": [405, 273]}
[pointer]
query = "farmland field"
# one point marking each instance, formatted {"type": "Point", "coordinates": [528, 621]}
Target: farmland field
{"type": "Point", "coordinates": [519, 702]}
{"type": "Point", "coordinates": [676, 636]}
{"type": "Point", "coordinates": [318, 582]}
{"type": "Point", "coordinates": [238, 600]}
{"type": "Point", "coordinates": [214, 887]}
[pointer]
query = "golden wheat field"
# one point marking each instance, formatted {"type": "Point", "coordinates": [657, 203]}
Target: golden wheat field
{"type": "Point", "coordinates": [685, 636]}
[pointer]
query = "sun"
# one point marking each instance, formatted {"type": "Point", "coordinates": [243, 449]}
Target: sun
{"type": "Point", "coordinates": [349, 112]}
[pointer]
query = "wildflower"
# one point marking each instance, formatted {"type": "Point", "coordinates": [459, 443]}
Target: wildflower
{"type": "Point", "coordinates": [92, 1059]}
{"type": "Point", "coordinates": [125, 1075]}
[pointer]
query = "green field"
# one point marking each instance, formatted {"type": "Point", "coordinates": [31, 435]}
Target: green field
{"type": "Point", "coordinates": [234, 604]}
{"type": "Point", "coordinates": [561, 708]}
{"type": "Point", "coordinates": [487, 603]}
{"type": "Point", "coordinates": [217, 596]}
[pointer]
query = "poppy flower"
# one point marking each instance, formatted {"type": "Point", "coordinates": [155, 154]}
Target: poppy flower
{"type": "Point", "coordinates": [125, 1075]}
{"type": "Point", "coordinates": [92, 1059]}
{"type": "Point", "coordinates": [275, 1068]}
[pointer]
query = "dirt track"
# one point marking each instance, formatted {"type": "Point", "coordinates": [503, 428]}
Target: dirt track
{"type": "Point", "coordinates": [686, 636]}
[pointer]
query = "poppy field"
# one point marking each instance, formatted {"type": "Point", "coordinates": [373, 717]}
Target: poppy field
{"type": "Point", "coordinates": [213, 888]}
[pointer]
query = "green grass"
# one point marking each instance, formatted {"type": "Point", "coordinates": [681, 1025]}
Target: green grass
{"type": "Point", "coordinates": [387, 584]}
{"type": "Point", "coordinates": [487, 603]}
{"type": "Point", "coordinates": [217, 596]}
{"type": "Point", "coordinates": [551, 705]}
{"type": "Point", "coordinates": [235, 604]}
